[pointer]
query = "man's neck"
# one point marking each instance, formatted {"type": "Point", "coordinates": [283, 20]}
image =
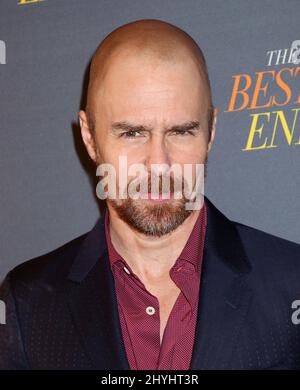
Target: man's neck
{"type": "Point", "coordinates": [150, 258]}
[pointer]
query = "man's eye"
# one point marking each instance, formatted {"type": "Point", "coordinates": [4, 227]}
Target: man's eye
{"type": "Point", "coordinates": [131, 134]}
{"type": "Point", "coordinates": [182, 132]}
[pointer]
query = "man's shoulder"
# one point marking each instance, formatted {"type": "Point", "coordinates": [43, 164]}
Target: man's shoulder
{"type": "Point", "coordinates": [50, 268]}
{"type": "Point", "coordinates": [260, 236]}
{"type": "Point", "coordinates": [269, 251]}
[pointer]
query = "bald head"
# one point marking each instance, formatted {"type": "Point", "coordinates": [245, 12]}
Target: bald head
{"type": "Point", "coordinates": [148, 40]}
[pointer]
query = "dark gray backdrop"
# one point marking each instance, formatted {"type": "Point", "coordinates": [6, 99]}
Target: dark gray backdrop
{"type": "Point", "coordinates": [46, 197]}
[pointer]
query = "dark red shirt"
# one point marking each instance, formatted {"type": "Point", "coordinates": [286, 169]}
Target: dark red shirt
{"type": "Point", "coordinates": [139, 309]}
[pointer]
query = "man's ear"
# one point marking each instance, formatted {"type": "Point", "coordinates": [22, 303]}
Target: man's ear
{"type": "Point", "coordinates": [213, 129]}
{"type": "Point", "coordinates": [87, 135]}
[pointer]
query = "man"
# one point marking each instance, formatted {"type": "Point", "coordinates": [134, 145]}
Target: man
{"type": "Point", "coordinates": [154, 285]}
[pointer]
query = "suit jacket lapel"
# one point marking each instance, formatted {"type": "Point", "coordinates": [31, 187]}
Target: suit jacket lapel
{"type": "Point", "coordinates": [224, 294]}
{"type": "Point", "coordinates": [93, 305]}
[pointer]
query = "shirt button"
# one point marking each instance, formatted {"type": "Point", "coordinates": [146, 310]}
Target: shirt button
{"type": "Point", "coordinates": [150, 310]}
{"type": "Point", "coordinates": [126, 270]}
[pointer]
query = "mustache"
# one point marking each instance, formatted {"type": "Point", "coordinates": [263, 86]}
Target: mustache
{"type": "Point", "coordinates": [162, 184]}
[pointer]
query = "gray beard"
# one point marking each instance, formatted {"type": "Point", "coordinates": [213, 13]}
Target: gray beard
{"type": "Point", "coordinates": [151, 219]}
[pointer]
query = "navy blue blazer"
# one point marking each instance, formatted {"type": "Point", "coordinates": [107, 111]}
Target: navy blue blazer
{"type": "Point", "coordinates": [62, 310]}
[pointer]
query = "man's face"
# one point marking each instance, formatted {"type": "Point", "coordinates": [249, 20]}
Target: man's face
{"type": "Point", "coordinates": [151, 97]}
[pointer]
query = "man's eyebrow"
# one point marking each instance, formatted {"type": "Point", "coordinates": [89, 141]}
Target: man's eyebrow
{"type": "Point", "coordinates": [126, 126]}
{"type": "Point", "coordinates": [191, 125]}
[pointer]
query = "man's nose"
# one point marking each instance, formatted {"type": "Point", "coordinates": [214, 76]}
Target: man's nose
{"type": "Point", "coordinates": [157, 153]}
